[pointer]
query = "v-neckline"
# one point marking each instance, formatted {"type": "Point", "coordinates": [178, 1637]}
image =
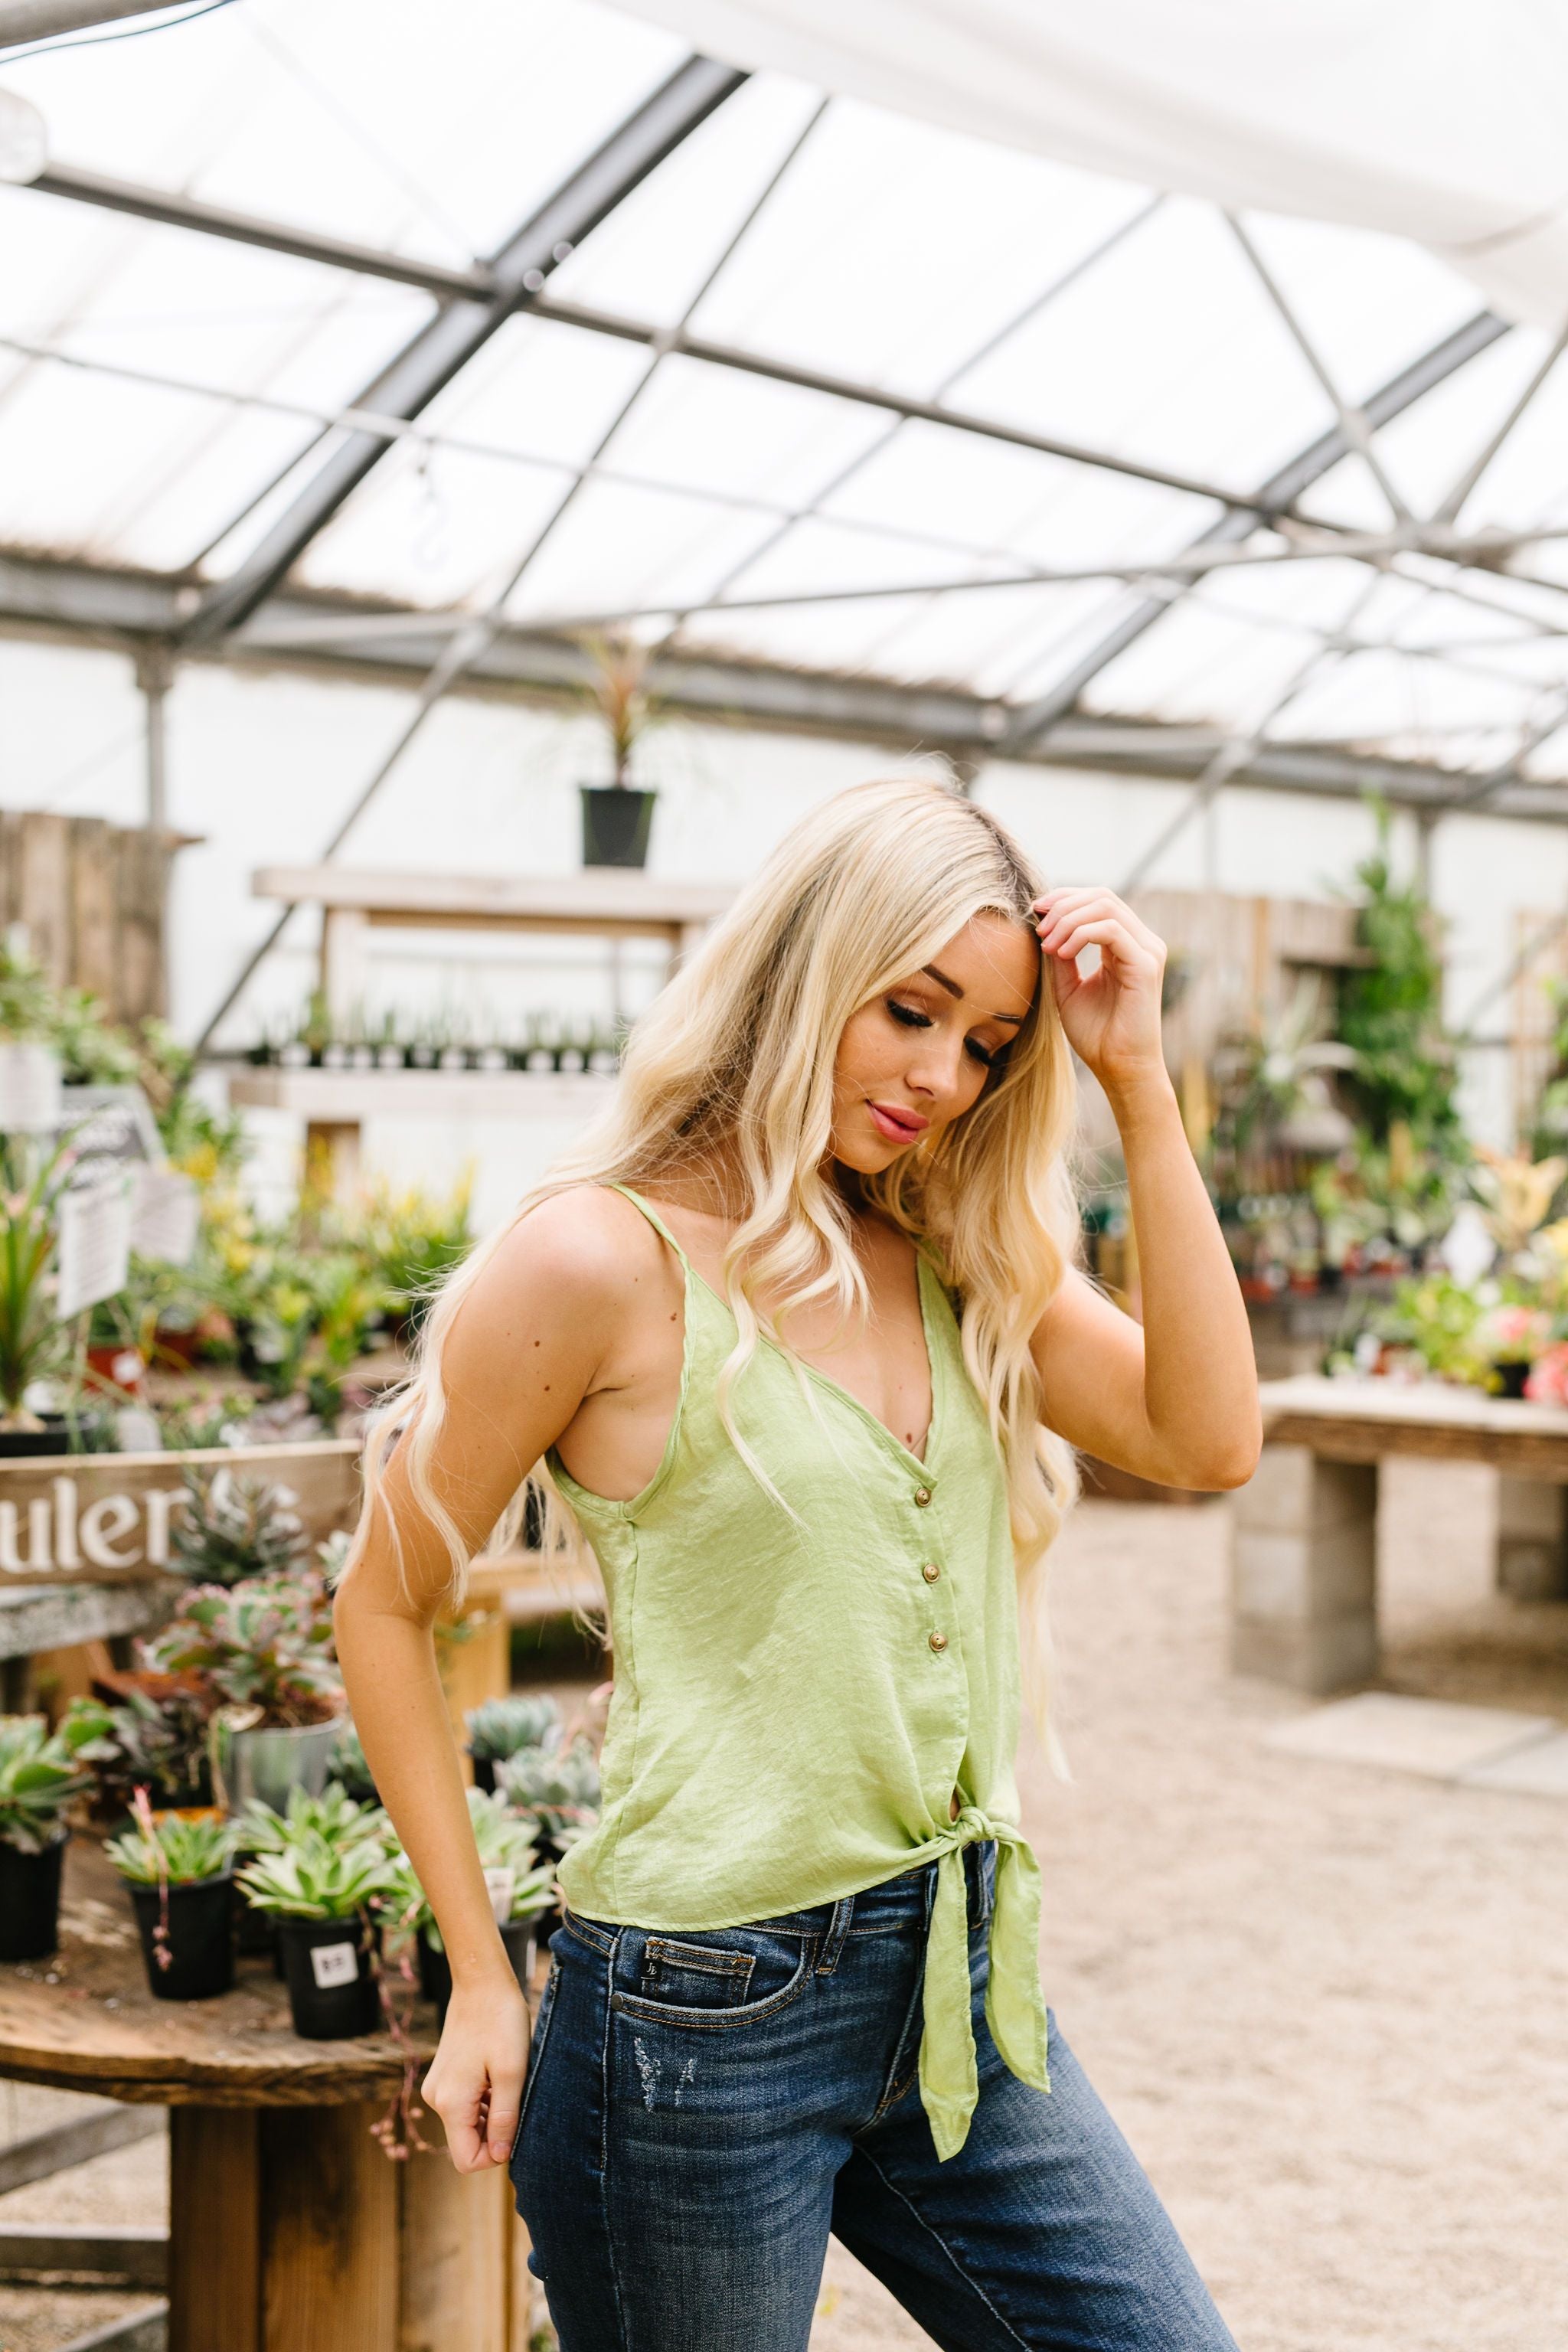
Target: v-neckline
{"type": "Point", "coordinates": [923, 1276]}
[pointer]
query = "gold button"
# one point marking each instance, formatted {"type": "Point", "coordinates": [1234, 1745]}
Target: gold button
{"type": "Point", "coordinates": [938, 1641]}
{"type": "Point", "coordinates": [922, 1495]}
{"type": "Point", "coordinates": [930, 1570]}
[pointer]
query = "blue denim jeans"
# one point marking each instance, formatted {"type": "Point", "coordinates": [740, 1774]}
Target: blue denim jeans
{"type": "Point", "coordinates": [700, 2110]}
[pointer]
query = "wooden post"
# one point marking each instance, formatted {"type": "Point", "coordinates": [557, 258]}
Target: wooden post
{"type": "Point", "coordinates": [346, 937]}
{"type": "Point", "coordinates": [455, 2256]}
{"type": "Point", "coordinates": [214, 2230]}
{"type": "Point", "coordinates": [1531, 1539]}
{"type": "Point", "coordinates": [330, 2233]}
{"type": "Point", "coordinates": [1304, 1571]}
{"type": "Point", "coordinates": [333, 1156]}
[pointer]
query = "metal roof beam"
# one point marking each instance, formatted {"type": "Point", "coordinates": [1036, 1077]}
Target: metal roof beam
{"type": "Point", "coordinates": [1278, 494]}
{"type": "Point", "coordinates": [463, 327]}
{"type": "Point", "coordinates": [39, 20]}
{"type": "Point", "coordinates": [475, 285]}
{"type": "Point", "coordinates": [122, 609]}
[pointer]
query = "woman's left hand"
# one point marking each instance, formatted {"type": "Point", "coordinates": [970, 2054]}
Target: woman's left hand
{"type": "Point", "coordinates": [1113, 1017]}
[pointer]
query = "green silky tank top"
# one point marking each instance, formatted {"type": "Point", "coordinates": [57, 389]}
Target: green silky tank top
{"type": "Point", "coordinates": [795, 1705]}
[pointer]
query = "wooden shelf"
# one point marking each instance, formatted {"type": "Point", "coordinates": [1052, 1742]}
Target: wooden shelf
{"type": "Point", "coordinates": [607, 899]}
{"type": "Point", "coordinates": [348, 1097]}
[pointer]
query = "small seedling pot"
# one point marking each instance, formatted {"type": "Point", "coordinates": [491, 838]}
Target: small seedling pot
{"type": "Point", "coordinates": [200, 1926]}
{"type": "Point", "coordinates": [435, 1974]}
{"type": "Point", "coordinates": [327, 1965]}
{"type": "Point", "coordinates": [30, 1901]}
{"type": "Point", "coordinates": [484, 1773]}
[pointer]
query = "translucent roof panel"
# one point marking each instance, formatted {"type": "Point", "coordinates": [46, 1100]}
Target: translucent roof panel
{"type": "Point", "coordinates": [699, 429]}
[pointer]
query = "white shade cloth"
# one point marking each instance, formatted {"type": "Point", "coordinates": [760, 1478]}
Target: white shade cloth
{"type": "Point", "coordinates": [1441, 120]}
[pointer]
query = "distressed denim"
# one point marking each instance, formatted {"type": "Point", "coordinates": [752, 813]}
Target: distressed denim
{"type": "Point", "coordinates": [701, 2111]}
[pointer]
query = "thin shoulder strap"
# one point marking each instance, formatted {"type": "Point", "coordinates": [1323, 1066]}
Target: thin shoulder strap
{"type": "Point", "coordinates": [654, 1220]}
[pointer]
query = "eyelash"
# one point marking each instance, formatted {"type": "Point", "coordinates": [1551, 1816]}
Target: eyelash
{"type": "Point", "coordinates": [913, 1019]}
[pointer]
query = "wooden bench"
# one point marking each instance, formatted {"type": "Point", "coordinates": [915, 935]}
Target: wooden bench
{"type": "Point", "coordinates": [1304, 1563]}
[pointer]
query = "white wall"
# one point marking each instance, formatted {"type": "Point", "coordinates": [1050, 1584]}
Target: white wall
{"type": "Point", "coordinates": [262, 766]}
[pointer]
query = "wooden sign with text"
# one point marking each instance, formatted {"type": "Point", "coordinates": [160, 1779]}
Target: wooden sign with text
{"type": "Point", "coordinates": [107, 1518]}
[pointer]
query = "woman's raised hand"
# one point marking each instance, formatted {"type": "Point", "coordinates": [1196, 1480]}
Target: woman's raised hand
{"type": "Point", "coordinates": [1112, 1018]}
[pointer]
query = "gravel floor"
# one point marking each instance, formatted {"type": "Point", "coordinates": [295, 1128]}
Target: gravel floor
{"type": "Point", "coordinates": [1329, 2006]}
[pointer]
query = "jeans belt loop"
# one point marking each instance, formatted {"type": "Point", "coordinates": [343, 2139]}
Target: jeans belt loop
{"type": "Point", "coordinates": [837, 1928]}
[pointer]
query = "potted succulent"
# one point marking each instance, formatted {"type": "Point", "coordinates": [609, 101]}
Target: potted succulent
{"type": "Point", "coordinates": [335, 1815]}
{"type": "Point", "coordinates": [1511, 1335]}
{"type": "Point", "coordinates": [38, 1778]}
{"type": "Point", "coordinates": [554, 1785]}
{"type": "Point", "coordinates": [178, 1868]}
{"type": "Point", "coordinates": [233, 1528]}
{"type": "Point", "coordinates": [264, 1650]}
{"type": "Point", "coordinates": [521, 1890]}
{"type": "Point", "coordinates": [320, 1890]}
{"type": "Point", "coordinates": [616, 817]}
{"type": "Point", "coordinates": [502, 1726]}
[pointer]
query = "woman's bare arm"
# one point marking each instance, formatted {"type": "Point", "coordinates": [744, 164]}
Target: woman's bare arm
{"type": "Point", "coordinates": [527, 1345]}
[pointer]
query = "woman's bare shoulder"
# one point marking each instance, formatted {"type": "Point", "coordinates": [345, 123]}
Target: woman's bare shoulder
{"type": "Point", "coordinates": [585, 1243]}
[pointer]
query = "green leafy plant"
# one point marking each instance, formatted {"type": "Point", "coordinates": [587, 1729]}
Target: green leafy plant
{"type": "Point", "coordinates": [619, 690]}
{"type": "Point", "coordinates": [172, 1849]}
{"type": "Point", "coordinates": [408, 1239]}
{"type": "Point", "coordinates": [502, 1726]}
{"type": "Point", "coordinates": [504, 1843]}
{"type": "Point", "coordinates": [348, 1768]}
{"type": "Point", "coordinates": [1391, 1014]}
{"type": "Point", "coordinates": [312, 1877]}
{"type": "Point", "coordinates": [39, 1776]}
{"type": "Point", "coordinates": [264, 1644]}
{"type": "Point", "coordinates": [233, 1528]}
{"type": "Point", "coordinates": [33, 1344]}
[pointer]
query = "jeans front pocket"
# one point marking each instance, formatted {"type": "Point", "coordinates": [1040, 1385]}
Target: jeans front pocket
{"type": "Point", "coordinates": [726, 1976]}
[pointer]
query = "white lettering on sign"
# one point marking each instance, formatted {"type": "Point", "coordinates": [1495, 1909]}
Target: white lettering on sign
{"type": "Point", "coordinates": [62, 1537]}
{"type": "Point", "coordinates": [102, 1523]}
{"type": "Point", "coordinates": [39, 1556]}
{"type": "Point", "coordinates": [335, 1964]}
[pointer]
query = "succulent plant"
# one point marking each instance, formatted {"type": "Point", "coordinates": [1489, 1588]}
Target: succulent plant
{"type": "Point", "coordinates": [310, 1877]}
{"type": "Point", "coordinates": [334, 1816]}
{"type": "Point", "coordinates": [172, 1849]}
{"type": "Point", "coordinates": [38, 1777]}
{"type": "Point", "coordinates": [235, 1528]}
{"type": "Point", "coordinates": [140, 1740]}
{"type": "Point", "coordinates": [266, 1643]}
{"type": "Point", "coordinates": [557, 1787]}
{"type": "Point", "coordinates": [503, 1842]}
{"type": "Point", "coordinates": [502, 1726]}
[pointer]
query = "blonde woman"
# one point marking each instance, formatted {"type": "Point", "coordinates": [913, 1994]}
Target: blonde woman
{"type": "Point", "coordinates": [797, 1339]}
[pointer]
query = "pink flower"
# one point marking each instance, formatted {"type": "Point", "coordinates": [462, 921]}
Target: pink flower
{"type": "Point", "coordinates": [1547, 1380]}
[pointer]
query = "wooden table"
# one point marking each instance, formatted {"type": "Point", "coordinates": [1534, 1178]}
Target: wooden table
{"type": "Point", "coordinates": [290, 2230]}
{"type": "Point", "coordinates": [1304, 1564]}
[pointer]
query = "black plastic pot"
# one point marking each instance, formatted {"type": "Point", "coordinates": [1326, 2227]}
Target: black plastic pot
{"type": "Point", "coordinates": [328, 2002]}
{"type": "Point", "coordinates": [255, 1932]}
{"type": "Point", "coordinates": [615, 823]}
{"type": "Point", "coordinates": [53, 1438]}
{"type": "Point", "coordinates": [30, 1901]}
{"type": "Point", "coordinates": [1513, 1377]}
{"type": "Point", "coordinates": [484, 1773]}
{"type": "Point", "coordinates": [200, 1921]}
{"type": "Point", "coordinates": [519, 1937]}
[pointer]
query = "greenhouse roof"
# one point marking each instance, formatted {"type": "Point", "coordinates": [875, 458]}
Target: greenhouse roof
{"type": "Point", "coordinates": [324, 338]}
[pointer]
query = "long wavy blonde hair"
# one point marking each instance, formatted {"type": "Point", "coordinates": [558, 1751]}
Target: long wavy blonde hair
{"type": "Point", "coordinates": [732, 1066]}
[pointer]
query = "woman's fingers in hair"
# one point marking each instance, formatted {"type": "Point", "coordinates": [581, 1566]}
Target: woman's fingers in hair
{"type": "Point", "coordinates": [1074, 916]}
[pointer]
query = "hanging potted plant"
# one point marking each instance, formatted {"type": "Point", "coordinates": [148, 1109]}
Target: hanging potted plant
{"type": "Point", "coordinates": [320, 1892]}
{"type": "Point", "coordinates": [502, 1728]}
{"type": "Point", "coordinates": [617, 816]}
{"type": "Point", "coordinates": [264, 1649]}
{"type": "Point", "coordinates": [38, 1778]}
{"type": "Point", "coordinates": [178, 1868]}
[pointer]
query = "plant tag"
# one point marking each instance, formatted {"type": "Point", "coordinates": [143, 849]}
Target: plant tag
{"type": "Point", "coordinates": [163, 1210]}
{"type": "Point", "coordinates": [335, 1964]}
{"type": "Point", "coordinates": [500, 1882]}
{"type": "Point", "coordinates": [29, 1089]}
{"type": "Point", "coordinates": [95, 1246]}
